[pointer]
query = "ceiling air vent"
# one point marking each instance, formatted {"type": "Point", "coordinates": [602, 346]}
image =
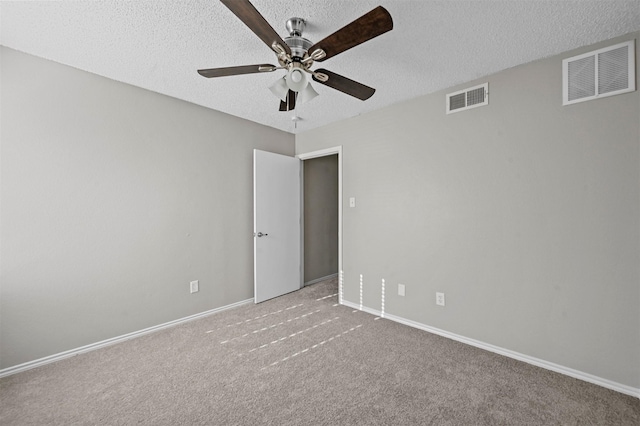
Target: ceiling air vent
{"type": "Point", "coordinates": [603, 72]}
{"type": "Point", "coordinates": [468, 98]}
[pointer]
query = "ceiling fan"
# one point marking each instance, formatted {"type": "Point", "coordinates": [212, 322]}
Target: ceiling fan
{"type": "Point", "coordinates": [296, 54]}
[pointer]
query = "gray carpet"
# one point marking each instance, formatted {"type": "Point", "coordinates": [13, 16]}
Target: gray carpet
{"type": "Point", "coordinates": [301, 359]}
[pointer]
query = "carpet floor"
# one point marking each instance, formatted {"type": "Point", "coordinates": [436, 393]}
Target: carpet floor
{"type": "Point", "coordinates": [302, 359]}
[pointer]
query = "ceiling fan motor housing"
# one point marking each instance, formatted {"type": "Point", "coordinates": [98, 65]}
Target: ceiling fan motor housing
{"type": "Point", "coordinates": [298, 44]}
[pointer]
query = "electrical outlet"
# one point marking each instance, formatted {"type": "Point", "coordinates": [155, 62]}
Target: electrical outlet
{"type": "Point", "coordinates": [440, 299]}
{"type": "Point", "coordinates": [400, 289]}
{"type": "Point", "coordinates": [194, 286]}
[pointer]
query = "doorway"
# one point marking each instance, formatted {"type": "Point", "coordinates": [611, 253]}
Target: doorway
{"type": "Point", "coordinates": [322, 215]}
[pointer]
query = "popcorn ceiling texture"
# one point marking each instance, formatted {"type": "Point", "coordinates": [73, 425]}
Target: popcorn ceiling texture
{"type": "Point", "coordinates": [159, 45]}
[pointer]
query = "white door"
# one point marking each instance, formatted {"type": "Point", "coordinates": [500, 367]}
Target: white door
{"type": "Point", "coordinates": [276, 225]}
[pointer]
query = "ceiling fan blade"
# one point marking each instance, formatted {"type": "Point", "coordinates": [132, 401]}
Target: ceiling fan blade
{"type": "Point", "coordinates": [248, 14]}
{"type": "Point", "coordinates": [345, 85]}
{"type": "Point", "coordinates": [366, 27]}
{"type": "Point", "coordinates": [289, 106]}
{"type": "Point", "coordinates": [244, 69]}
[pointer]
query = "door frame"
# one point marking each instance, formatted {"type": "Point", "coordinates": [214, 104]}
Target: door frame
{"type": "Point", "coordinates": [308, 156]}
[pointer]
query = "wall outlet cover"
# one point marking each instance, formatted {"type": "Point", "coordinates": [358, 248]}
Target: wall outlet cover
{"type": "Point", "coordinates": [400, 289]}
{"type": "Point", "coordinates": [440, 299]}
{"type": "Point", "coordinates": [194, 286]}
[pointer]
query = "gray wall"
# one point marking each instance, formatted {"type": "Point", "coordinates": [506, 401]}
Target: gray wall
{"type": "Point", "coordinates": [525, 213]}
{"type": "Point", "coordinates": [320, 217]}
{"type": "Point", "coordinates": [113, 198]}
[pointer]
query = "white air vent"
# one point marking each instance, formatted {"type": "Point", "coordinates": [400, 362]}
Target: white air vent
{"type": "Point", "coordinates": [468, 98]}
{"type": "Point", "coordinates": [603, 72]}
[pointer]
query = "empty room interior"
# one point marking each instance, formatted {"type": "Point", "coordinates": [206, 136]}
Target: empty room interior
{"type": "Point", "coordinates": [467, 215]}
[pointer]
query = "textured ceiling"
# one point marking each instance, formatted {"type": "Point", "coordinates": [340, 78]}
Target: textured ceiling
{"type": "Point", "coordinates": [159, 45]}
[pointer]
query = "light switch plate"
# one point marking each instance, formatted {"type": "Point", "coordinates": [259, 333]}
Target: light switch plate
{"type": "Point", "coordinates": [400, 289]}
{"type": "Point", "coordinates": [352, 202]}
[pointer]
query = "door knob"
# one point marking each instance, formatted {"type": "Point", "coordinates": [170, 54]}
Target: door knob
{"type": "Point", "coordinates": [260, 234]}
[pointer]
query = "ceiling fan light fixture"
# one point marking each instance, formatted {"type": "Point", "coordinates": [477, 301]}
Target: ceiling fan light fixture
{"type": "Point", "coordinates": [280, 89]}
{"type": "Point", "coordinates": [296, 79]}
{"type": "Point", "coordinates": [306, 94]}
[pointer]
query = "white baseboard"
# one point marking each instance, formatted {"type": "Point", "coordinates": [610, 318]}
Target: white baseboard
{"type": "Point", "coordinates": [576, 374]}
{"type": "Point", "coordinates": [317, 280]}
{"type": "Point", "coordinates": [92, 347]}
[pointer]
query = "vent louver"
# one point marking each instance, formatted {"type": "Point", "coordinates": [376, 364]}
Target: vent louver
{"type": "Point", "coordinates": [613, 70]}
{"type": "Point", "coordinates": [458, 101]}
{"type": "Point", "coordinates": [582, 78]}
{"type": "Point", "coordinates": [603, 72]}
{"type": "Point", "coordinates": [468, 98]}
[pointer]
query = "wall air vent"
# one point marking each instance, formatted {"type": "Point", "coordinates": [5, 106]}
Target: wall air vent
{"type": "Point", "coordinates": [468, 98]}
{"type": "Point", "coordinates": [604, 72]}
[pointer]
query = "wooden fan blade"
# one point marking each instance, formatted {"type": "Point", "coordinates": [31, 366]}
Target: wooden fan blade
{"type": "Point", "coordinates": [244, 69]}
{"type": "Point", "coordinates": [284, 106]}
{"type": "Point", "coordinates": [366, 27]}
{"type": "Point", "coordinates": [346, 85]}
{"type": "Point", "coordinates": [248, 14]}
